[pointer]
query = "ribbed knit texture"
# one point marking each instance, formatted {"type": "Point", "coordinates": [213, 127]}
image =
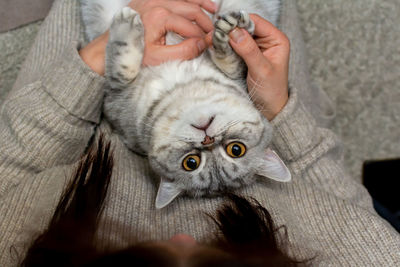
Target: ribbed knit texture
{"type": "Point", "coordinates": [54, 110]}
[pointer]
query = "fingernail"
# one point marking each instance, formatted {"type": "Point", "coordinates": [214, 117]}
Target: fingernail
{"type": "Point", "coordinates": [201, 45]}
{"type": "Point", "coordinates": [237, 35]}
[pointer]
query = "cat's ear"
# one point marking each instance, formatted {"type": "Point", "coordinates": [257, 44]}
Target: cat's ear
{"type": "Point", "coordinates": [273, 167]}
{"type": "Point", "coordinates": [167, 191]}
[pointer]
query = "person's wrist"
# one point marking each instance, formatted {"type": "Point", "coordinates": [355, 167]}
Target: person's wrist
{"type": "Point", "coordinates": [268, 93]}
{"type": "Point", "coordinates": [271, 110]}
{"type": "Point", "coordinates": [93, 54]}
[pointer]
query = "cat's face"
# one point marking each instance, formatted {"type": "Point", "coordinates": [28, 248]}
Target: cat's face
{"type": "Point", "coordinates": [210, 142]}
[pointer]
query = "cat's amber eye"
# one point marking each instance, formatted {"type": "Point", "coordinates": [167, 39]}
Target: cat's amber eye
{"type": "Point", "coordinates": [191, 162]}
{"type": "Point", "coordinates": [235, 149]}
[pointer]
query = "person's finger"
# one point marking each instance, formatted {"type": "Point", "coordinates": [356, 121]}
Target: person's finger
{"type": "Point", "coordinates": [245, 46]}
{"type": "Point", "coordinates": [270, 35]}
{"type": "Point", "coordinates": [182, 26]}
{"type": "Point", "coordinates": [208, 5]}
{"type": "Point", "coordinates": [159, 21]}
{"type": "Point", "coordinates": [186, 50]}
{"type": "Point", "coordinates": [191, 11]}
{"type": "Point", "coordinates": [208, 38]}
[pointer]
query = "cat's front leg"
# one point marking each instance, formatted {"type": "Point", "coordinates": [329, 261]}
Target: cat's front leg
{"type": "Point", "coordinates": [125, 47]}
{"type": "Point", "coordinates": [222, 53]}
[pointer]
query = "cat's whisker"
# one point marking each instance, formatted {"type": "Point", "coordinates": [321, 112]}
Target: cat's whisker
{"type": "Point", "coordinates": [227, 126]}
{"type": "Point", "coordinates": [187, 137]}
{"type": "Point", "coordinates": [151, 126]}
{"type": "Point", "coordinates": [253, 90]}
{"type": "Point", "coordinates": [255, 83]}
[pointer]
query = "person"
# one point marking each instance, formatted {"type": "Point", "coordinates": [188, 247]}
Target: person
{"type": "Point", "coordinates": [246, 233]}
{"type": "Point", "coordinates": [54, 112]}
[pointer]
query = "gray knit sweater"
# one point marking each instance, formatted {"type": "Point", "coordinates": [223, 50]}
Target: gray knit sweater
{"type": "Point", "coordinates": [54, 110]}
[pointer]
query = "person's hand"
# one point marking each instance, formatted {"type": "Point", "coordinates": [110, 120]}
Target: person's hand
{"type": "Point", "coordinates": [189, 9]}
{"type": "Point", "coordinates": [160, 17]}
{"type": "Point", "coordinates": [94, 53]}
{"type": "Point", "coordinates": [267, 59]}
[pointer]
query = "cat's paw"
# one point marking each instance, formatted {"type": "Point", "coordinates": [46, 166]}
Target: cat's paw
{"type": "Point", "coordinates": [125, 48]}
{"type": "Point", "coordinates": [225, 24]}
{"type": "Point", "coordinates": [222, 53]}
{"type": "Point", "coordinates": [126, 22]}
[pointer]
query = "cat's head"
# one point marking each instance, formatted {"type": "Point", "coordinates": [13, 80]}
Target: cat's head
{"type": "Point", "coordinates": [213, 139]}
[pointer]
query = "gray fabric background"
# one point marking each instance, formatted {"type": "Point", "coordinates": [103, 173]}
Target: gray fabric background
{"type": "Point", "coordinates": [14, 13]}
{"type": "Point", "coordinates": [354, 56]}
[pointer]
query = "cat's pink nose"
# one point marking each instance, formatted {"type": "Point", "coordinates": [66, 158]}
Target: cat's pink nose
{"type": "Point", "coordinates": [208, 140]}
{"type": "Point", "coordinates": [205, 126]}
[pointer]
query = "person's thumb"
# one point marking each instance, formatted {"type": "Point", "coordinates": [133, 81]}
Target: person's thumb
{"type": "Point", "coordinates": [245, 46]}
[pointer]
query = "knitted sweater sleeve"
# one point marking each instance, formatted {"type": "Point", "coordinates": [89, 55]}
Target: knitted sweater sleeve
{"type": "Point", "coordinates": [50, 115]}
{"type": "Point", "coordinates": [338, 210]}
{"type": "Point", "coordinates": [50, 121]}
{"type": "Point", "coordinates": [314, 152]}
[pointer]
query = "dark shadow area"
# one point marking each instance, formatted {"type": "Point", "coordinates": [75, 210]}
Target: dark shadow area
{"type": "Point", "coordinates": [381, 178]}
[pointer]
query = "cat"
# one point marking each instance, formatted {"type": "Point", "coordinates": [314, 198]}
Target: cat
{"type": "Point", "coordinates": [194, 120]}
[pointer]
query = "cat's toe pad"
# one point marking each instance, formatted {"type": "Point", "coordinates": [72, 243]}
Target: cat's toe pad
{"type": "Point", "coordinates": [226, 23]}
{"type": "Point", "coordinates": [127, 29]}
{"type": "Point", "coordinates": [128, 17]}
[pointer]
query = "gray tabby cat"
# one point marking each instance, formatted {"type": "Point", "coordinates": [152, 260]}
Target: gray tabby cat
{"type": "Point", "coordinates": [193, 119]}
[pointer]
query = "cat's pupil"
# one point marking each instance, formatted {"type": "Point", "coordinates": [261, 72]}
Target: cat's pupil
{"type": "Point", "coordinates": [236, 150]}
{"type": "Point", "coordinates": [191, 163]}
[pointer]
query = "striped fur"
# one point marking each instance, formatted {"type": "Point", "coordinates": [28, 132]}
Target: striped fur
{"type": "Point", "coordinates": [158, 110]}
